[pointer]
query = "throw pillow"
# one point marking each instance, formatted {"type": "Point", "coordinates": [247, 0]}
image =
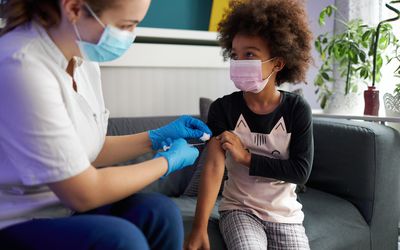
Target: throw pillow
{"type": "Point", "coordinates": [205, 104]}
{"type": "Point", "coordinates": [192, 188]}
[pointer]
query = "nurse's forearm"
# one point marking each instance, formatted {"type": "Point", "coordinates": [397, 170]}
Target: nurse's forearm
{"type": "Point", "coordinates": [118, 149]}
{"type": "Point", "coordinates": [97, 187]}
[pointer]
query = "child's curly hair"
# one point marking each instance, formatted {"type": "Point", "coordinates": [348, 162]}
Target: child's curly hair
{"type": "Point", "coordinates": [283, 24]}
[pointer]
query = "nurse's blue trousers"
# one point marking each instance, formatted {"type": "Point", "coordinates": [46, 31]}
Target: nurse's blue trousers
{"type": "Point", "coordinates": [142, 221]}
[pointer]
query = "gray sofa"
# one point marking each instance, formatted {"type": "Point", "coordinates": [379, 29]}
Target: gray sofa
{"type": "Point", "coordinates": [352, 196]}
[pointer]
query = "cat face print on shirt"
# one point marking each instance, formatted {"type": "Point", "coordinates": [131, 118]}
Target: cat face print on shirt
{"type": "Point", "coordinates": [274, 145]}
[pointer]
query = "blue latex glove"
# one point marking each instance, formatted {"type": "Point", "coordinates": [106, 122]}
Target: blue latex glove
{"type": "Point", "coordinates": [180, 155]}
{"type": "Point", "coordinates": [184, 127]}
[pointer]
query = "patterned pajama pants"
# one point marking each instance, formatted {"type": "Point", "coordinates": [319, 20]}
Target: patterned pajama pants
{"type": "Point", "coordinates": [244, 231]}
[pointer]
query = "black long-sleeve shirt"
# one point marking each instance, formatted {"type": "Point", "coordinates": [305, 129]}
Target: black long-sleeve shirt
{"type": "Point", "coordinates": [285, 134]}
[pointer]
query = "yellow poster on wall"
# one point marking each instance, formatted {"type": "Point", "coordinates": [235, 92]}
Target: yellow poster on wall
{"type": "Point", "coordinates": [218, 9]}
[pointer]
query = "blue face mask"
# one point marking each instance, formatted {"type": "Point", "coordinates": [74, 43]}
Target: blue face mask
{"type": "Point", "coordinates": [113, 42]}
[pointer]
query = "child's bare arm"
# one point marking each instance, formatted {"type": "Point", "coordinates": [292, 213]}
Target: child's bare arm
{"type": "Point", "coordinates": [210, 184]}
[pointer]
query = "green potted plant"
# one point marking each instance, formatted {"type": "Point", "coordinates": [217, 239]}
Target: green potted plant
{"type": "Point", "coordinates": [350, 53]}
{"type": "Point", "coordinates": [371, 96]}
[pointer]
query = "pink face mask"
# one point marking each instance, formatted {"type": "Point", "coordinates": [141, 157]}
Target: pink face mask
{"type": "Point", "coordinates": [247, 75]}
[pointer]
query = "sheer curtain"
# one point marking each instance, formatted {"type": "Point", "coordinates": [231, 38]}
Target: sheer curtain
{"type": "Point", "coordinates": [368, 10]}
{"type": "Point", "coordinates": [389, 81]}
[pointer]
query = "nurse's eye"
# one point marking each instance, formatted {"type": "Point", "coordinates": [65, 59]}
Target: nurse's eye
{"type": "Point", "coordinates": [128, 27]}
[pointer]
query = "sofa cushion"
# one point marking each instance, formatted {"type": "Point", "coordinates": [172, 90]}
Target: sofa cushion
{"type": "Point", "coordinates": [333, 223]}
{"type": "Point", "coordinates": [345, 149]}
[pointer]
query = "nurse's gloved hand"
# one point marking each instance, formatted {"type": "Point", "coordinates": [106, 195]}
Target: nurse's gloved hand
{"type": "Point", "coordinates": [179, 155]}
{"type": "Point", "coordinates": [185, 127]}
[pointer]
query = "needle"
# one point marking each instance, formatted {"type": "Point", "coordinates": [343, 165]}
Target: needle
{"type": "Point", "coordinates": [165, 148]}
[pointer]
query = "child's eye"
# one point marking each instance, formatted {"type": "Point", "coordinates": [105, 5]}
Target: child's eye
{"type": "Point", "coordinates": [249, 55]}
{"type": "Point", "coordinates": [234, 56]}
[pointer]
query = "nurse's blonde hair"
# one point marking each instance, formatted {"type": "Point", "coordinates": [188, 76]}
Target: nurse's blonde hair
{"type": "Point", "coordinates": [46, 12]}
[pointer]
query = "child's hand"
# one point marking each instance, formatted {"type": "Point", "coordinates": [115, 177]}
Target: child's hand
{"type": "Point", "coordinates": [198, 240]}
{"type": "Point", "coordinates": [231, 143]}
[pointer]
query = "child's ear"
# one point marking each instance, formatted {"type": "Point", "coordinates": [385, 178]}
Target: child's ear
{"type": "Point", "coordinates": [279, 64]}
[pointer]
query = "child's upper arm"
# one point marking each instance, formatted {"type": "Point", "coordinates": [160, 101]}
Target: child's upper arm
{"type": "Point", "coordinates": [216, 155]}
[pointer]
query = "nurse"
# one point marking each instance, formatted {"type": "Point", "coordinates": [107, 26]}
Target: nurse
{"type": "Point", "coordinates": [53, 134]}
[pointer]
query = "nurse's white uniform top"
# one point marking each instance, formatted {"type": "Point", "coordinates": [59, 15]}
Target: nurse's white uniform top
{"type": "Point", "coordinates": [48, 132]}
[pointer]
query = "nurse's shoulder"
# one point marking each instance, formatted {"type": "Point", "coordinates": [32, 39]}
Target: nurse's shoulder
{"type": "Point", "coordinates": [19, 43]}
{"type": "Point", "coordinates": [30, 59]}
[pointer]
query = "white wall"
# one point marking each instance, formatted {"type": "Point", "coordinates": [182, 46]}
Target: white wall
{"type": "Point", "coordinates": [314, 7]}
{"type": "Point", "coordinates": [168, 80]}
{"type": "Point", "coordinates": [161, 91]}
{"type": "Point", "coordinates": [164, 80]}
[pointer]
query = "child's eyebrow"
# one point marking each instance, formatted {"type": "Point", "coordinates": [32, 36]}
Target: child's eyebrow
{"type": "Point", "coordinates": [254, 48]}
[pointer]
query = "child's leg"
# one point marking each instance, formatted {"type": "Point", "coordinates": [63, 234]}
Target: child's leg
{"type": "Point", "coordinates": [242, 230]}
{"type": "Point", "coordinates": [286, 236]}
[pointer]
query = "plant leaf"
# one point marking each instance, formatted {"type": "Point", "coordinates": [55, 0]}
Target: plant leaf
{"type": "Point", "coordinates": [325, 76]}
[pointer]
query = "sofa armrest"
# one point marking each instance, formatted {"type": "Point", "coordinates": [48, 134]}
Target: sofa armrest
{"type": "Point", "coordinates": [360, 162]}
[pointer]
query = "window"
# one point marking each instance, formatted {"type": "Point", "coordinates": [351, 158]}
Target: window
{"type": "Point", "coordinates": [388, 82]}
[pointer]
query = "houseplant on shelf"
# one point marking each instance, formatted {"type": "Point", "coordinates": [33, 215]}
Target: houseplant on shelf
{"type": "Point", "coordinates": [371, 96]}
{"type": "Point", "coordinates": [347, 57]}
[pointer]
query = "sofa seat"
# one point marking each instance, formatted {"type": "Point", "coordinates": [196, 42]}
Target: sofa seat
{"type": "Point", "coordinates": [325, 215]}
{"type": "Point", "coordinates": [332, 222]}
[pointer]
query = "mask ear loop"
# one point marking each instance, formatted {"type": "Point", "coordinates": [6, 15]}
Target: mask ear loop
{"type": "Point", "coordinates": [268, 60]}
{"type": "Point", "coordinates": [77, 32]}
{"type": "Point", "coordinates": [94, 14]}
{"type": "Point", "coordinates": [95, 17]}
{"type": "Point", "coordinates": [273, 71]}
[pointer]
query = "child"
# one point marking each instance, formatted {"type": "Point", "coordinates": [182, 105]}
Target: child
{"type": "Point", "coordinates": [264, 135]}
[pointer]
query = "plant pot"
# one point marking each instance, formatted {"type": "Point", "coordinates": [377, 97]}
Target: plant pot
{"type": "Point", "coordinates": [341, 104]}
{"type": "Point", "coordinates": [392, 108]}
{"type": "Point", "coordinates": [371, 99]}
